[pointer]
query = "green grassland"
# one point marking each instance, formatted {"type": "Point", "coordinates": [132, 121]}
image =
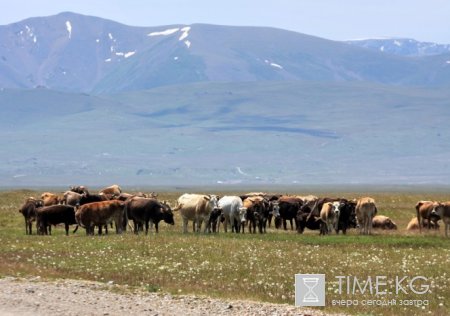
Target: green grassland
{"type": "Point", "coordinates": [245, 266]}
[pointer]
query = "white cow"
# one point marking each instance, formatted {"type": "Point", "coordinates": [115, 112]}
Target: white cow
{"type": "Point", "coordinates": [197, 208]}
{"type": "Point", "coordinates": [233, 212]}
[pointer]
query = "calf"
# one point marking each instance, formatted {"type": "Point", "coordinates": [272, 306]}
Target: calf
{"type": "Point", "coordinates": [329, 215]}
{"type": "Point", "coordinates": [54, 215]}
{"type": "Point", "coordinates": [414, 224]}
{"type": "Point", "coordinates": [144, 210]}
{"type": "Point", "coordinates": [365, 211]}
{"type": "Point", "coordinates": [443, 211]}
{"type": "Point", "coordinates": [383, 222]}
{"type": "Point", "coordinates": [101, 213]}
{"type": "Point", "coordinates": [28, 211]}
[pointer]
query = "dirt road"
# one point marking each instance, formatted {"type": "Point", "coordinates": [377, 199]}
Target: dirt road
{"type": "Point", "coordinates": [32, 296]}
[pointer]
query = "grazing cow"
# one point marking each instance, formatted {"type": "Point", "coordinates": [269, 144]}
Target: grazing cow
{"type": "Point", "coordinates": [111, 192]}
{"type": "Point", "coordinates": [383, 222]}
{"type": "Point", "coordinates": [443, 211]}
{"type": "Point", "coordinates": [330, 217]}
{"type": "Point", "coordinates": [54, 215]}
{"type": "Point", "coordinates": [197, 208]}
{"type": "Point", "coordinates": [101, 213]}
{"type": "Point", "coordinates": [49, 198]}
{"type": "Point", "coordinates": [234, 212]}
{"type": "Point", "coordinates": [28, 211]}
{"type": "Point", "coordinates": [144, 210]}
{"type": "Point", "coordinates": [365, 211]}
{"type": "Point", "coordinates": [424, 211]}
{"type": "Point", "coordinates": [414, 224]}
{"type": "Point", "coordinates": [303, 220]}
{"type": "Point", "coordinates": [289, 207]}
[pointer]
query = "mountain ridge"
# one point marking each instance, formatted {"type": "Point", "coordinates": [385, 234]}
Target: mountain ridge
{"type": "Point", "coordinates": [72, 52]}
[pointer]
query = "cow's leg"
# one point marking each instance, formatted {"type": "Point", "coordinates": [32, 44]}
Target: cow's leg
{"type": "Point", "coordinates": [49, 230]}
{"type": "Point", "coordinates": [284, 224]}
{"type": "Point", "coordinates": [146, 228]}
{"type": "Point", "coordinates": [185, 224]}
{"type": "Point", "coordinates": [66, 226]}
{"type": "Point", "coordinates": [156, 227]}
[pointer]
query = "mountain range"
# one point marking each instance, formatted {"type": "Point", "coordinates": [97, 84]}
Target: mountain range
{"type": "Point", "coordinates": [85, 100]}
{"type": "Point", "coordinates": [72, 52]}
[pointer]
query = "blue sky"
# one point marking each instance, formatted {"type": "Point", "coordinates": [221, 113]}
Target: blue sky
{"type": "Point", "coordinates": [332, 19]}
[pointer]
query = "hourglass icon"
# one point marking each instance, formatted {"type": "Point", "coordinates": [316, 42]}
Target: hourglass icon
{"type": "Point", "coordinates": [310, 296]}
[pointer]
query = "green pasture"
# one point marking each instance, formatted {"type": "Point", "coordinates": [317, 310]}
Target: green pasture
{"type": "Point", "coordinates": [246, 266]}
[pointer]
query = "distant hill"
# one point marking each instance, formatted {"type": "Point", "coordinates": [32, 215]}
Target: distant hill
{"type": "Point", "coordinates": [403, 46]}
{"type": "Point", "coordinates": [72, 52]}
{"type": "Point", "coordinates": [256, 133]}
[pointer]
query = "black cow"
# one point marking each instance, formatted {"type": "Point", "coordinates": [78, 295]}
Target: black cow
{"type": "Point", "coordinates": [28, 211]}
{"type": "Point", "coordinates": [304, 220]}
{"type": "Point", "coordinates": [54, 215]}
{"type": "Point", "coordinates": [144, 210]}
{"type": "Point", "coordinates": [347, 216]}
{"type": "Point", "coordinates": [289, 207]}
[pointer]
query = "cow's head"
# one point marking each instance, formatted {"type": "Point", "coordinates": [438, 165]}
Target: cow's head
{"type": "Point", "coordinates": [242, 214]}
{"type": "Point", "coordinates": [275, 209]}
{"type": "Point", "coordinates": [438, 210]}
{"type": "Point", "coordinates": [391, 224]}
{"type": "Point", "coordinates": [167, 213]}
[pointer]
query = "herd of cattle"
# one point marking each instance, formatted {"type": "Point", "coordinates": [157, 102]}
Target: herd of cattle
{"type": "Point", "coordinates": [253, 210]}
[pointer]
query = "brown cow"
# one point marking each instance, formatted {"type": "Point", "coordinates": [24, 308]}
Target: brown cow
{"type": "Point", "coordinates": [423, 211]}
{"type": "Point", "coordinates": [383, 222]}
{"type": "Point", "coordinates": [254, 214]}
{"type": "Point", "coordinates": [443, 211]}
{"type": "Point", "coordinates": [50, 198]}
{"type": "Point", "coordinates": [365, 211]}
{"type": "Point", "coordinates": [100, 214]}
{"type": "Point", "coordinates": [28, 211]}
{"type": "Point", "coordinates": [414, 224]}
{"type": "Point", "coordinates": [112, 191]}
{"type": "Point", "coordinates": [329, 214]}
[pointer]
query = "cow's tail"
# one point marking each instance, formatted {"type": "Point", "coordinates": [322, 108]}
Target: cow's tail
{"type": "Point", "coordinates": [418, 205]}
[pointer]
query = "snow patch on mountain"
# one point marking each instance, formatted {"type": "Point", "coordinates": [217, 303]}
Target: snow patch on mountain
{"type": "Point", "coordinates": [185, 34]}
{"type": "Point", "coordinates": [164, 33]}
{"type": "Point", "coordinates": [69, 28]}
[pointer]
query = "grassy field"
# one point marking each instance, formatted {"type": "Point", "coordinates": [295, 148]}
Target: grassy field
{"type": "Point", "coordinates": [256, 267]}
